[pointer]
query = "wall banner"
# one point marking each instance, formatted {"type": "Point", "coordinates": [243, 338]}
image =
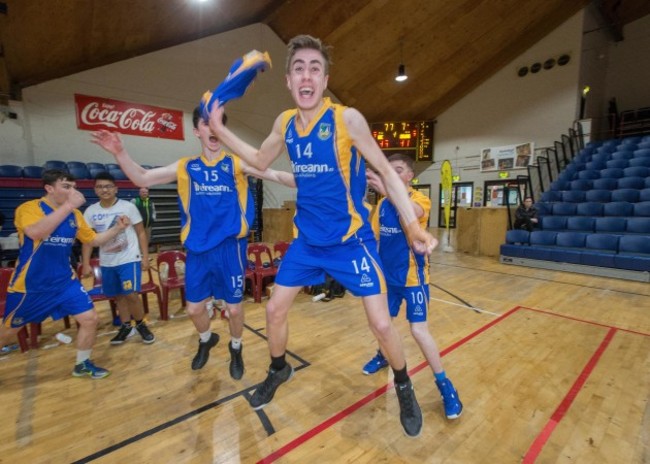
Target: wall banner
{"type": "Point", "coordinates": [95, 113]}
{"type": "Point", "coordinates": [507, 157]}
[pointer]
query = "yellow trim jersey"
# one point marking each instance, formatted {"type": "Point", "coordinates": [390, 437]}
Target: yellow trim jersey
{"type": "Point", "coordinates": [44, 265]}
{"type": "Point", "coordinates": [214, 200]}
{"type": "Point", "coordinates": [402, 267]}
{"type": "Point", "coordinates": [330, 175]}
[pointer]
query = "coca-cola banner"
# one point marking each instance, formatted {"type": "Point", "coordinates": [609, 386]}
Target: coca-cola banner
{"type": "Point", "coordinates": [94, 113]}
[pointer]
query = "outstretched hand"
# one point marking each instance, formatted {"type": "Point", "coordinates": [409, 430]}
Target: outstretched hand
{"type": "Point", "coordinates": [109, 141]}
{"type": "Point", "coordinates": [216, 118]}
{"type": "Point", "coordinates": [75, 198]}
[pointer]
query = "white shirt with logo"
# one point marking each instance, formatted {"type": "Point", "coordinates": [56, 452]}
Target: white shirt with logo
{"type": "Point", "coordinates": [124, 248]}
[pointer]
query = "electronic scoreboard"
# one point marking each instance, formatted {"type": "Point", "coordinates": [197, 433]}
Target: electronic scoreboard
{"type": "Point", "coordinates": [411, 138]}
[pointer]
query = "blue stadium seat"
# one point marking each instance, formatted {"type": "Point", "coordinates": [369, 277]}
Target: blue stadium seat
{"type": "Point", "coordinates": [611, 224]}
{"type": "Point", "coordinates": [93, 165]}
{"type": "Point", "coordinates": [541, 243]}
{"type": "Point", "coordinates": [600, 158]}
{"type": "Point", "coordinates": [618, 208]}
{"type": "Point", "coordinates": [642, 145]}
{"type": "Point", "coordinates": [552, 195]}
{"type": "Point", "coordinates": [625, 194]}
{"type": "Point", "coordinates": [573, 196]}
{"type": "Point", "coordinates": [600, 195]}
{"type": "Point", "coordinates": [642, 209]}
{"type": "Point", "coordinates": [642, 153]}
{"type": "Point", "coordinates": [557, 185]}
{"type": "Point", "coordinates": [518, 236]}
{"type": "Point", "coordinates": [54, 164]}
{"type": "Point", "coordinates": [581, 184]}
{"type": "Point", "coordinates": [619, 163]}
{"type": "Point", "coordinates": [589, 174]}
{"type": "Point", "coordinates": [613, 173]}
{"type": "Point", "coordinates": [644, 195]}
{"type": "Point", "coordinates": [118, 174]}
{"type": "Point", "coordinates": [553, 223]}
{"type": "Point", "coordinates": [600, 250]}
{"type": "Point", "coordinates": [571, 247]}
{"type": "Point", "coordinates": [640, 162]}
{"type": "Point", "coordinates": [516, 243]}
{"type": "Point", "coordinates": [596, 165]}
{"type": "Point", "coordinates": [564, 209]}
{"type": "Point", "coordinates": [638, 225]}
{"type": "Point", "coordinates": [637, 171]}
{"type": "Point", "coordinates": [10, 170]}
{"type": "Point", "coordinates": [75, 164]}
{"type": "Point", "coordinates": [622, 155]}
{"type": "Point", "coordinates": [631, 183]}
{"type": "Point", "coordinates": [110, 166]}
{"type": "Point", "coordinates": [33, 172]}
{"type": "Point", "coordinates": [580, 223]}
{"type": "Point", "coordinates": [543, 208]}
{"type": "Point", "coordinates": [647, 182]}
{"type": "Point", "coordinates": [634, 253]}
{"type": "Point", "coordinates": [589, 208]}
{"type": "Point", "coordinates": [79, 172]}
{"type": "Point", "coordinates": [605, 184]}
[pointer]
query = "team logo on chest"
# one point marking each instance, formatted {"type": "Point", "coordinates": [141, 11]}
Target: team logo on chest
{"type": "Point", "coordinates": [324, 131]}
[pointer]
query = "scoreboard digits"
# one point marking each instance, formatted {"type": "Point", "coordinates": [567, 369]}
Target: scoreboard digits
{"type": "Point", "coordinates": [413, 138]}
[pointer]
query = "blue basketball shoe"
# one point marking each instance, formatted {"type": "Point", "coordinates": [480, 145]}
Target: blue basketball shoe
{"type": "Point", "coordinates": [450, 400]}
{"type": "Point", "coordinates": [88, 368]}
{"type": "Point", "coordinates": [375, 364]}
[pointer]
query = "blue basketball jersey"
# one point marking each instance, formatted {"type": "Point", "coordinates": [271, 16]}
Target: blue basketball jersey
{"type": "Point", "coordinates": [403, 267]}
{"type": "Point", "coordinates": [214, 199]}
{"type": "Point", "coordinates": [330, 175]}
{"type": "Point", "coordinates": [44, 265]}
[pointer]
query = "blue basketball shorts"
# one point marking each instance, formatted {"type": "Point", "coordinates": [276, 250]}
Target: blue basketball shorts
{"type": "Point", "coordinates": [355, 264]}
{"type": "Point", "coordinates": [417, 301]}
{"type": "Point", "coordinates": [217, 273]}
{"type": "Point", "coordinates": [23, 308]}
{"type": "Point", "coordinates": [121, 280]}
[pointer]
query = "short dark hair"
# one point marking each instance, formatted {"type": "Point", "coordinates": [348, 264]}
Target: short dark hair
{"type": "Point", "coordinates": [104, 175]}
{"type": "Point", "coordinates": [196, 116]}
{"type": "Point", "coordinates": [402, 157]}
{"type": "Point", "coordinates": [51, 176]}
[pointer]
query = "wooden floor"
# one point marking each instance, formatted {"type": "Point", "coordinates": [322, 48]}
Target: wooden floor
{"type": "Point", "coordinates": [551, 367]}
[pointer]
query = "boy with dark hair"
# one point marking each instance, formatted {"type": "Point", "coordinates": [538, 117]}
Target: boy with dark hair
{"type": "Point", "coordinates": [216, 211]}
{"type": "Point", "coordinates": [122, 259]}
{"type": "Point", "coordinates": [44, 284]}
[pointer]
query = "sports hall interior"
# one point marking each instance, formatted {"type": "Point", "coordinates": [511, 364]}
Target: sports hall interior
{"type": "Point", "coordinates": [545, 333]}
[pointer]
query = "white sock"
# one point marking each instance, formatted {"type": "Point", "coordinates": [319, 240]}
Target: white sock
{"type": "Point", "coordinates": [82, 355]}
{"type": "Point", "coordinates": [236, 343]}
{"type": "Point", "coordinates": [205, 336]}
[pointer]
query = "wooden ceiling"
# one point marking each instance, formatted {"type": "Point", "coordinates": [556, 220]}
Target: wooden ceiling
{"type": "Point", "coordinates": [448, 47]}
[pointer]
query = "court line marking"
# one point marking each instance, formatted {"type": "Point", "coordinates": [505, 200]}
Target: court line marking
{"type": "Point", "coordinates": [560, 411]}
{"type": "Point", "coordinates": [538, 444]}
{"type": "Point", "coordinates": [376, 394]}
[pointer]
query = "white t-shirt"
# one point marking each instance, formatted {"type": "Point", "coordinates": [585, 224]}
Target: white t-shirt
{"type": "Point", "coordinates": [124, 248]}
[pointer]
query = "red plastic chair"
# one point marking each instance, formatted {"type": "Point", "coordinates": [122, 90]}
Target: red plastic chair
{"type": "Point", "coordinates": [5, 277]}
{"type": "Point", "coordinates": [280, 249]}
{"type": "Point", "coordinates": [172, 280]}
{"type": "Point", "coordinates": [150, 287]}
{"type": "Point", "coordinates": [264, 268]}
{"type": "Point", "coordinates": [95, 293]}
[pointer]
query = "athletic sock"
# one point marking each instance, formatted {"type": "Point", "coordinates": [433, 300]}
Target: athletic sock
{"type": "Point", "coordinates": [440, 376]}
{"type": "Point", "coordinates": [400, 375]}
{"type": "Point", "coordinates": [205, 336]}
{"type": "Point", "coordinates": [278, 363]}
{"type": "Point", "coordinates": [235, 343]}
{"type": "Point", "coordinates": [82, 355]}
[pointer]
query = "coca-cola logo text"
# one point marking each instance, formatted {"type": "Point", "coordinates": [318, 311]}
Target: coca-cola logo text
{"type": "Point", "coordinates": [128, 118]}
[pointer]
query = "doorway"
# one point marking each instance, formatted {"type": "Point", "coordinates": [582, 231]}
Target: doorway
{"type": "Point", "coordinates": [461, 197]}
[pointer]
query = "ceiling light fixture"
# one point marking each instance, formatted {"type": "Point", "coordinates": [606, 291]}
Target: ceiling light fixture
{"type": "Point", "coordinates": [401, 69]}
